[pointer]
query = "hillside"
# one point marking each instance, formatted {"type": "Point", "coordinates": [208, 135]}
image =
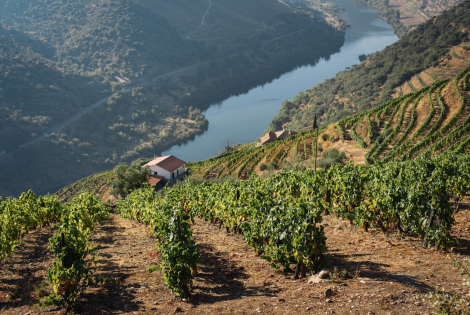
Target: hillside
{"type": "Point", "coordinates": [375, 80]}
{"type": "Point", "coordinates": [429, 121]}
{"type": "Point", "coordinates": [34, 93]}
{"type": "Point", "coordinates": [378, 251]}
{"type": "Point", "coordinates": [383, 226]}
{"type": "Point", "coordinates": [88, 43]}
{"type": "Point", "coordinates": [406, 15]}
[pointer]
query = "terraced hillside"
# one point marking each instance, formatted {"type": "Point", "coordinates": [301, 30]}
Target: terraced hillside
{"type": "Point", "coordinates": [427, 115]}
{"type": "Point", "coordinates": [98, 184]}
{"type": "Point", "coordinates": [430, 121]}
{"type": "Point", "coordinates": [242, 164]}
{"type": "Point", "coordinates": [396, 70]}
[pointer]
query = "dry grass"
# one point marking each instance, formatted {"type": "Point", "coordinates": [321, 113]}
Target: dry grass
{"type": "Point", "coordinates": [416, 83]}
{"type": "Point", "coordinates": [451, 102]}
{"type": "Point", "coordinates": [352, 150]}
{"type": "Point", "coordinates": [448, 68]}
{"type": "Point", "coordinates": [421, 113]}
{"type": "Point", "coordinates": [408, 16]}
{"type": "Point", "coordinates": [362, 129]}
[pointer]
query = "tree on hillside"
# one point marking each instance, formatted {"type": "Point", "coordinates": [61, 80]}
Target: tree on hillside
{"type": "Point", "coordinates": [129, 178]}
{"type": "Point", "coordinates": [140, 162]}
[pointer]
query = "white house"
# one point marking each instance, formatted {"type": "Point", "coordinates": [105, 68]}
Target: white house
{"type": "Point", "coordinates": [169, 167]}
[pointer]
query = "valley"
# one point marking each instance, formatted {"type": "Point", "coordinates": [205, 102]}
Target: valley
{"type": "Point", "coordinates": [146, 121]}
{"type": "Point", "coordinates": [354, 200]}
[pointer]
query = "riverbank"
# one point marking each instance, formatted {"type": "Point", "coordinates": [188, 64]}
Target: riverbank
{"type": "Point", "coordinates": [165, 113]}
{"type": "Point", "coordinates": [242, 118]}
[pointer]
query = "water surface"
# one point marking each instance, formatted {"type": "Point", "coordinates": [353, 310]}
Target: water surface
{"type": "Point", "coordinates": [244, 118]}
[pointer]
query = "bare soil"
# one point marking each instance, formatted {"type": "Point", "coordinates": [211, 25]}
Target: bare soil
{"type": "Point", "coordinates": [407, 16]}
{"type": "Point", "coordinates": [388, 274]}
{"type": "Point", "coordinates": [451, 102]}
{"type": "Point", "coordinates": [427, 78]}
{"type": "Point", "coordinates": [414, 80]}
{"type": "Point", "coordinates": [352, 150]}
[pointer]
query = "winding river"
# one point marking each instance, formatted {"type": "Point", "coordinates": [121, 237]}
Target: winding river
{"type": "Point", "coordinates": [243, 118]}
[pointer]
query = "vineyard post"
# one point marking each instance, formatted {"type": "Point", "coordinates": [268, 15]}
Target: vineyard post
{"type": "Point", "coordinates": [429, 225]}
{"type": "Point", "coordinates": [316, 142]}
{"type": "Point", "coordinates": [64, 265]}
{"type": "Point", "coordinates": [456, 201]}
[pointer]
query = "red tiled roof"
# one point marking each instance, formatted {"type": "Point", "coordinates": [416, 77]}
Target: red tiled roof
{"type": "Point", "coordinates": [153, 179]}
{"type": "Point", "coordinates": [169, 163]}
{"type": "Point", "coordinates": [268, 137]}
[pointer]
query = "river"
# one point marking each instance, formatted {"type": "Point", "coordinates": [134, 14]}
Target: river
{"type": "Point", "coordinates": [243, 118]}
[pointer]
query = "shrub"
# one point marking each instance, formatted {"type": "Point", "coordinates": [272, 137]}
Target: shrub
{"type": "Point", "coordinates": [325, 136]}
{"type": "Point", "coordinates": [334, 156]}
{"type": "Point", "coordinates": [263, 167]}
{"type": "Point", "coordinates": [273, 166]}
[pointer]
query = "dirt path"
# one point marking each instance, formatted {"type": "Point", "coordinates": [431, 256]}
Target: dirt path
{"type": "Point", "coordinates": [202, 22]}
{"type": "Point", "coordinates": [389, 274]}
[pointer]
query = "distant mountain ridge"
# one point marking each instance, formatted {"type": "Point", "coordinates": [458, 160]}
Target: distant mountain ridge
{"type": "Point", "coordinates": [376, 79]}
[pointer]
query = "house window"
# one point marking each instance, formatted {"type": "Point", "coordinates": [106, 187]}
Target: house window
{"type": "Point", "coordinates": [155, 173]}
{"type": "Point", "coordinates": [173, 175]}
{"type": "Point", "coordinates": [177, 172]}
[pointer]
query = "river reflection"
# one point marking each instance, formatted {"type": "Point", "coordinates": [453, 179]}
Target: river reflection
{"type": "Point", "coordinates": [243, 118]}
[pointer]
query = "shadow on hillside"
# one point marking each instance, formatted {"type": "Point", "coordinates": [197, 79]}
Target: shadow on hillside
{"type": "Point", "coordinates": [111, 298]}
{"type": "Point", "coordinates": [374, 270]}
{"type": "Point", "coordinates": [25, 268]}
{"type": "Point", "coordinates": [463, 248]}
{"type": "Point", "coordinates": [223, 279]}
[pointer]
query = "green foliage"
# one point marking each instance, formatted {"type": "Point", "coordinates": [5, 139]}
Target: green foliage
{"type": "Point", "coordinates": [400, 148]}
{"type": "Point", "coordinates": [420, 79]}
{"type": "Point", "coordinates": [331, 157]}
{"type": "Point", "coordinates": [169, 217]}
{"type": "Point", "coordinates": [129, 178]}
{"type": "Point", "coordinates": [429, 140]}
{"type": "Point", "coordinates": [279, 216]}
{"type": "Point", "coordinates": [397, 147]}
{"type": "Point", "coordinates": [370, 130]}
{"type": "Point", "coordinates": [412, 87]}
{"type": "Point", "coordinates": [403, 194]}
{"type": "Point", "coordinates": [446, 303]}
{"type": "Point", "coordinates": [340, 130]}
{"type": "Point", "coordinates": [98, 37]}
{"type": "Point", "coordinates": [356, 137]}
{"type": "Point", "coordinates": [140, 162]}
{"type": "Point", "coordinates": [72, 269]}
{"type": "Point", "coordinates": [380, 147]}
{"type": "Point", "coordinates": [19, 216]}
{"type": "Point", "coordinates": [92, 183]}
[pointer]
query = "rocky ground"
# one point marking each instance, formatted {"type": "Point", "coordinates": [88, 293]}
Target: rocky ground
{"type": "Point", "coordinates": [370, 273]}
